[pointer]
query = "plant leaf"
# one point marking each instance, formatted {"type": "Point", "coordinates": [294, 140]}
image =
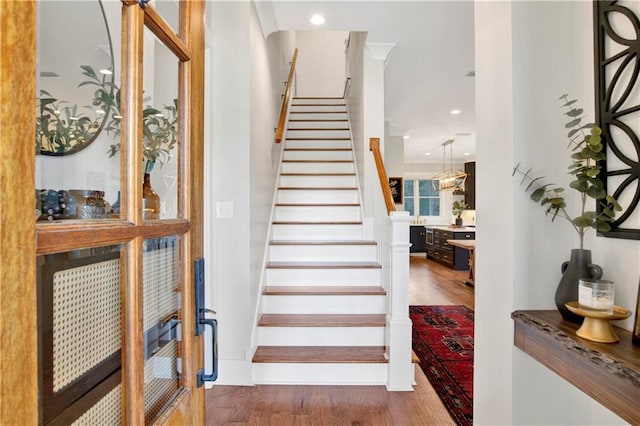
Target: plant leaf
{"type": "Point", "coordinates": [573, 123]}
{"type": "Point", "coordinates": [574, 112]}
{"type": "Point", "coordinates": [538, 194]}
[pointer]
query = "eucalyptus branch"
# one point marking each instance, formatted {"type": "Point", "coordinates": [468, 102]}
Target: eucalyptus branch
{"type": "Point", "coordinates": [587, 152]}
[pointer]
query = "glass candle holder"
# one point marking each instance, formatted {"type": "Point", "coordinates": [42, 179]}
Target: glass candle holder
{"type": "Point", "coordinates": [596, 295]}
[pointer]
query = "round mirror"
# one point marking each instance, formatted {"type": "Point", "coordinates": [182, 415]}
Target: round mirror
{"type": "Point", "coordinates": [75, 75]}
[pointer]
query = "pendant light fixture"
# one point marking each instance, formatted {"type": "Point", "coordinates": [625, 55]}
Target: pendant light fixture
{"type": "Point", "coordinates": [448, 179]}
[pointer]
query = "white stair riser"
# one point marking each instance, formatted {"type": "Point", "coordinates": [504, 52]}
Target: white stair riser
{"type": "Point", "coordinates": [299, 167]}
{"type": "Point", "coordinates": [320, 374]}
{"type": "Point", "coordinates": [318, 108]}
{"type": "Point", "coordinates": [316, 304]}
{"type": "Point", "coordinates": [321, 336]}
{"type": "Point", "coordinates": [307, 124]}
{"type": "Point", "coordinates": [319, 196]}
{"type": "Point", "coordinates": [316, 233]}
{"type": "Point", "coordinates": [318, 115]}
{"type": "Point", "coordinates": [322, 253]}
{"type": "Point", "coordinates": [365, 276]}
{"type": "Point", "coordinates": [316, 213]}
{"type": "Point", "coordinates": [320, 134]}
{"type": "Point", "coordinates": [317, 143]}
{"type": "Point", "coordinates": [318, 181]}
{"type": "Point", "coordinates": [298, 101]}
{"type": "Point", "coordinates": [318, 155]}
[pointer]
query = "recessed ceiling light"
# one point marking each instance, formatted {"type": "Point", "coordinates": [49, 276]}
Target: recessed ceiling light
{"type": "Point", "coordinates": [427, 153]}
{"type": "Point", "coordinates": [106, 71]}
{"type": "Point", "coordinates": [317, 19]}
{"type": "Point", "coordinates": [406, 137]}
{"type": "Point", "coordinates": [466, 153]}
{"type": "Point", "coordinates": [455, 111]}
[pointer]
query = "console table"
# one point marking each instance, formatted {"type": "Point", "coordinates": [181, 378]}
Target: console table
{"type": "Point", "coordinates": [609, 373]}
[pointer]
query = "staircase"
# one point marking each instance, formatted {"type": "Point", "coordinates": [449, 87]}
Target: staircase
{"type": "Point", "coordinates": [323, 303]}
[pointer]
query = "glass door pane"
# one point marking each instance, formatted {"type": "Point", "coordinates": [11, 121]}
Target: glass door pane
{"type": "Point", "coordinates": [76, 109]}
{"type": "Point", "coordinates": [160, 130]}
{"type": "Point", "coordinates": [161, 269]}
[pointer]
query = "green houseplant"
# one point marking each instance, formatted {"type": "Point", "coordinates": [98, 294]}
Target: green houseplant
{"type": "Point", "coordinates": [457, 209]}
{"type": "Point", "coordinates": [586, 149]}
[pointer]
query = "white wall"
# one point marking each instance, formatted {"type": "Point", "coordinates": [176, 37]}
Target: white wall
{"type": "Point", "coordinates": [522, 68]}
{"type": "Point", "coordinates": [355, 98]}
{"type": "Point", "coordinates": [321, 60]}
{"type": "Point", "coordinates": [243, 105]}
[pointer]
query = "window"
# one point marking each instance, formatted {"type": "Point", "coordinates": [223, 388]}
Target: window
{"type": "Point", "coordinates": [420, 199]}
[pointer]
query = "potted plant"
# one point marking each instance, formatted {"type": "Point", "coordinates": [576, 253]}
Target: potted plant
{"type": "Point", "coordinates": [457, 209]}
{"type": "Point", "coordinates": [587, 152]}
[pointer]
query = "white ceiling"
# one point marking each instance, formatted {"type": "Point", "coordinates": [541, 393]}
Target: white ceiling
{"type": "Point", "coordinates": [426, 74]}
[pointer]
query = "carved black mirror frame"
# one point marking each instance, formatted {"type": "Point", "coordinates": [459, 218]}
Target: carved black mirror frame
{"type": "Point", "coordinates": [617, 66]}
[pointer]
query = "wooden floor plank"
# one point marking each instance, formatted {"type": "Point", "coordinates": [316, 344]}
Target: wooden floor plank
{"type": "Point", "coordinates": [320, 354]}
{"type": "Point", "coordinates": [322, 320]}
{"type": "Point", "coordinates": [325, 405]}
{"type": "Point", "coordinates": [323, 290]}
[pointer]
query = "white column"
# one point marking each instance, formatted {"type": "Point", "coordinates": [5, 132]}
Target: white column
{"type": "Point", "coordinates": [398, 322]}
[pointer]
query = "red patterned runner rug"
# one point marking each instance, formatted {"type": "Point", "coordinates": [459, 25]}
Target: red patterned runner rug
{"type": "Point", "coordinates": [443, 341]}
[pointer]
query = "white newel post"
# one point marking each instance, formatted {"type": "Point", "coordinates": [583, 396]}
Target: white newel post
{"type": "Point", "coordinates": [398, 323]}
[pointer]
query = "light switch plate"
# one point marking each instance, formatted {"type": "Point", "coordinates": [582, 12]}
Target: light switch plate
{"type": "Point", "coordinates": [224, 209]}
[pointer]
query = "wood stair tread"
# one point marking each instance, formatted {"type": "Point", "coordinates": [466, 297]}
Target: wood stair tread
{"type": "Point", "coordinates": [318, 97]}
{"type": "Point", "coordinates": [326, 290]}
{"type": "Point", "coordinates": [322, 320]}
{"type": "Point", "coordinates": [279, 222]}
{"type": "Point", "coordinates": [317, 128]}
{"type": "Point", "coordinates": [318, 112]}
{"type": "Point", "coordinates": [317, 161]}
{"type": "Point", "coordinates": [317, 204]}
{"type": "Point", "coordinates": [317, 174]}
{"type": "Point", "coordinates": [318, 149]}
{"type": "Point", "coordinates": [319, 139]}
{"type": "Point", "coordinates": [322, 243]}
{"type": "Point", "coordinates": [319, 104]}
{"type": "Point", "coordinates": [320, 354]}
{"type": "Point", "coordinates": [318, 188]}
{"type": "Point", "coordinates": [320, 119]}
{"type": "Point", "coordinates": [323, 265]}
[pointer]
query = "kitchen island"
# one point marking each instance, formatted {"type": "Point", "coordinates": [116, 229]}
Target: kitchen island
{"type": "Point", "coordinates": [441, 251]}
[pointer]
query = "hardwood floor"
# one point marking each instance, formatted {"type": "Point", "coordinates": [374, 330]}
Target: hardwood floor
{"type": "Point", "coordinates": [279, 405]}
{"type": "Point", "coordinates": [434, 284]}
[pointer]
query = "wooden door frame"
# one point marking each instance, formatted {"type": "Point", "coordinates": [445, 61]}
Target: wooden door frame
{"type": "Point", "coordinates": [18, 339]}
{"type": "Point", "coordinates": [18, 248]}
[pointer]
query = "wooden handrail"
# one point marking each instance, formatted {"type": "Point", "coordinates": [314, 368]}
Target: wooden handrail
{"type": "Point", "coordinates": [285, 98]}
{"type": "Point", "coordinates": [374, 147]}
{"type": "Point", "coordinates": [347, 84]}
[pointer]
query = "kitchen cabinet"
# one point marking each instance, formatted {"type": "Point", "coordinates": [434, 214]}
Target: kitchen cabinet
{"type": "Point", "coordinates": [441, 251]}
{"type": "Point", "coordinates": [417, 235]}
{"type": "Point", "coordinates": [470, 185]}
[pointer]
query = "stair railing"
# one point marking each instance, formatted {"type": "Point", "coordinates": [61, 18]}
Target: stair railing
{"type": "Point", "coordinates": [285, 98]}
{"type": "Point", "coordinates": [374, 147]}
{"type": "Point", "coordinates": [391, 229]}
